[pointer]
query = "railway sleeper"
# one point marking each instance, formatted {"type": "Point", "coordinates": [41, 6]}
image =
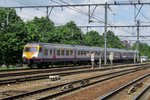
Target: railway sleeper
{"type": "Point", "coordinates": [54, 77]}
{"type": "Point", "coordinates": [67, 87]}
{"type": "Point", "coordinates": [85, 82]}
{"type": "Point", "coordinates": [138, 84]}
{"type": "Point", "coordinates": [135, 87]}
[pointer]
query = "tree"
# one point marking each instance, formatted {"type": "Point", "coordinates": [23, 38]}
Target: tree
{"type": "Point", "coordinates": [113, 41]}
{"type": "Point", "coordinates": [93, 38]}
{"type": "Point", "coordinates": [12, 36]}
{"type": "Point", "coordinates": [144, 49]}
{"type": "Point", "coordinates": [41, 29]}
{"type": "Point", "coordinates": [70, 33]}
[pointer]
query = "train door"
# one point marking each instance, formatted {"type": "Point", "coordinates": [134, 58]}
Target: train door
{"type": "Point", "coordinates": [45, 53]}
{"type": "Point", "coordinates": [40, 55]}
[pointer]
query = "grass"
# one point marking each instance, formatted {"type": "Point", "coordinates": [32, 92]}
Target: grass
{"type": "Point", "coordinates": [11, 68]}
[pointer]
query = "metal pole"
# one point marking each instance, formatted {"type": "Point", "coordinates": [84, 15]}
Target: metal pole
{"type": "Point", "coordinates": [89, 15]}
{"type": "Point", "coordinates": [105, 37]}
{"type": "Point", "coordinates": [7, 17]}
{"type": "Point", "coordinates": [100, 60]}
{"type": "Point", "coordinates": [138, 30]}
{"type": "Point", "coordinates": [47, 12]}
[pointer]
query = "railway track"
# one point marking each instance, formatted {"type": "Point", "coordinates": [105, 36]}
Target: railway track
{"type": "Point", "coordinates": [54, 91]}
{"type": "Point", "coordinates": [46, 73]}
{"type": "Point", "coordinates": [36, 71]}
{"type": "Point", "coordinates": [111, 95]}
{"type": "Point", "coordinates": [143, 94]}
{"type": "Point", "coordinates": [20, 72]}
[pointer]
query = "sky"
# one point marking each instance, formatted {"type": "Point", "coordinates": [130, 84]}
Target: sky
{"type": "Point", "coordinates": [117, 15]}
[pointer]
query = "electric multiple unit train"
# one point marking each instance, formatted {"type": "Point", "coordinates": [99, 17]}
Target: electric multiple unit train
{"type": "Point", "coordinates": [45, 54]}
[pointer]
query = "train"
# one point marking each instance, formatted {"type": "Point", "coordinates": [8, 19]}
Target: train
{"type": "Point", "coordinates": [46, 54]}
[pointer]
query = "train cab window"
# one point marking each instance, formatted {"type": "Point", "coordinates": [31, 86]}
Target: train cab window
{"type": "Point", "coordinates": [30, 49]}
{"type": "Point", "coordinates": [50, 52]}
{"type": "Point", "coordinates": [62, 52]}
{"type": "Point", "coordinates": [45, 52]}
{"type": "Point", "coordinates": [71, 52]}
{"type": "Point", "coordinates": [67, 52]}
{"type": "Point", "coordinates": [58, 52]}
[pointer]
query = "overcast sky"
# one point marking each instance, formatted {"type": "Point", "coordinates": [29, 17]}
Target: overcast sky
{"type": "Point", "coordinates": [117, 15]}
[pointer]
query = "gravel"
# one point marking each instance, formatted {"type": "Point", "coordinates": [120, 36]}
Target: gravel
{"type": "Point", "coordinates": [96, 91]}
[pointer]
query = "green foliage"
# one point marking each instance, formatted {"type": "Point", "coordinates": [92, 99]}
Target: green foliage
{"type": "Point", "coordinates": [12, 36]}
{"type": "Point", "coordinates": [113, 41]}
{"type": "Point", "coordinates": [93, 38]}
{"type": "Point", "coordinates": [40, 29]}
{"type": "Point", "coordinates": [69, 34]}
{"type": "Point", "coordinates": [15, 33]}
{"type": "Point", "coordinates": [144, 49]}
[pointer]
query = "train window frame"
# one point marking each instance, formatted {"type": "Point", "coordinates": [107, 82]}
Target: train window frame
{"type": "Point", "coordinates": [58, 52]}
{"type": "Point", "coordinates": [79, 52]}
{"type": "Point", "coordinates": [99, 53]}
{"type": "Point", "coordinates": [50, 52]}
{"type": "Point", "coordinates": [62, 52]}
{"type": "Point", "coordinates": [45, 52]}
{"type": "Point", "coordinates": [87, 52]}
{"type": "Point", "coordinates": [67, 52]}
{"type": "Point", "coordinates": [71, 52]}
{"type": "Point", "coordinates": [84, 52]}
{"type": "Point", "coordinates": [95, 53]}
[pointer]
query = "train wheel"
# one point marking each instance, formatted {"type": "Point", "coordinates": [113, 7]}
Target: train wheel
{"type": "Point", "coordinates": [52, 64]}
{"type": "Point", "coordinates": [46, 65]}
{"type": "Point", "coordinates": [74, 64]}
{"type": "Point", "coordinates": [30, 63]}
{"type": "Point", "coordinates": [40, 66]}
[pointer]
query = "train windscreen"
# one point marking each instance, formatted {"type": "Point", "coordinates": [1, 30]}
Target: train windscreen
{"type": "Point", "coordinates": [30, 49]}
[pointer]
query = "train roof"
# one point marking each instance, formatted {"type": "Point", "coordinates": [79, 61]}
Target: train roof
{"type": "Point", "coordinates": [79, 47]}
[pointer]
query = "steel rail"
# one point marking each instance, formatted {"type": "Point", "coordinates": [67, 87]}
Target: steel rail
{"type": "Point", "coordinates": [109, 95]}
{"type": "Point", "coordinates": [46, 75]}
{"type": "Point", "coordinates": [74, 82]}
{"type": "Point", "coordinates": [142, 93]}
{"type": "Point", "coordinates": [36, 71]}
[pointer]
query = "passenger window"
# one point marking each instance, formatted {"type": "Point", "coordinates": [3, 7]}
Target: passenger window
{"type": "Point", "coordinates": [50, 52]}
{"type": "Point", "coordinates": [78, 52]}
{"type": "Point", "coordinates": [45, 52]}
{"type": "Point", "coordinates": [67, 52]}
{"type": "Point", "coordinates": [95, 53]}
{"type": "Point", "coordinates": [84, 52]}
{"type": "Point", "coordinates": [58, 52]}
{"type": "Point", "coordinates": [62, 52]}
{"type": "Point", "coordinates": [99, 53]}
{"type": "Point", "coordinates": [71, 52]}
{"type": "Point", "coordinates": [81, 52]}
{"type": "Point", "coordinates": [87, 52]}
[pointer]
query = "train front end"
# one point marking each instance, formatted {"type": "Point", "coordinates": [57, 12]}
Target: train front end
{"type": "Point", "coordinates": [30, 53]}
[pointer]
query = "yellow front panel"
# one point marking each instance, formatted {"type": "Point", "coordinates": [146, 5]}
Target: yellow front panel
{"type": "Point", "coordinates": [29, 55]}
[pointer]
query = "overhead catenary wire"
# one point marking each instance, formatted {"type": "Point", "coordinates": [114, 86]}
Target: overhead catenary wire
{"type": "Point", "coordinates": [118, 3]}
{"type": "Point", "coordinates": [86, 14]}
